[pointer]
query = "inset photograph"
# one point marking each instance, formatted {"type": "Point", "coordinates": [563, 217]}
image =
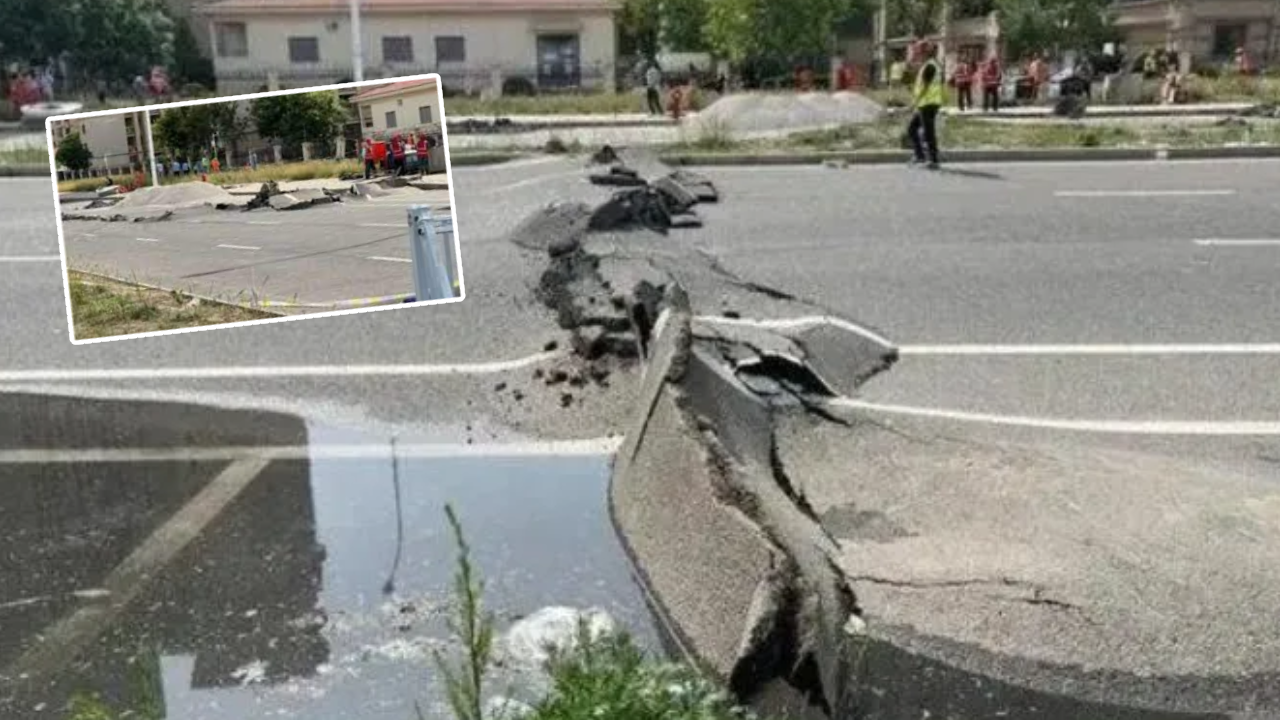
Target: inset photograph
{"type": "Point", "coordinates": [256, 208]}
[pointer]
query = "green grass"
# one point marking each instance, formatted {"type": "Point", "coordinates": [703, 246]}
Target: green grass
{"type": "Point", "coordinates": [105, 308]}
{"type": "Point", "coordinates": [971, 133]}
{"type": "Point", "coordinates": [25, 156]}
{"type": "Point", "coordinates": [283, 172]}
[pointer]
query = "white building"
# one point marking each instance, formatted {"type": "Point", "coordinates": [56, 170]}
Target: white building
{"type": "Point", "coordinates": [473, 45]}
{"type": "Point", "coordinates": [413, 105]}
{"type": "Point", "coordinates": [118, 142]}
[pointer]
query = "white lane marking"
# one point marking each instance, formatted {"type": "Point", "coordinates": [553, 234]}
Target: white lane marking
{"type": "Point", "coordinates": [285, 371]}
{"type": "Point", "coordinates": [1239, 242]}
{"type": "Point", "coordinates": [389, 259]}
{"type": "Point", "coordinates": [795, 324]}
{"type": "Point", "coordinates": [263, 222]}
{"type": "Point", "coordinates": [1141, 193]}
{"type": "Point", "coordinates": [585, 447]}
{"type": "Point", "coordinates": [132, 576]}
{"type": "Point", "coordinates": [240, 247]}
{"type": "Point", "coordinates": [1183, 349]}
{"type": "Point", "coordinates": [88, 234]}
{"type": "Point", "coordinates": [29, 258]}
{"type": "Point", "coordinates": [386, 225]}
{"type": "Point", "coordinates": [533, 181]}
{"type": "Point", "coordinates": [1122, 427]}
{"type": "Point", "coordinates": [147, 239]}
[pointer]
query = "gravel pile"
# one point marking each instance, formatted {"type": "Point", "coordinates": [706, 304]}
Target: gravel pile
{"type": "Point", "coordinates": [192, 194]}
{"type": "Point", "coordinates": [767, 112]}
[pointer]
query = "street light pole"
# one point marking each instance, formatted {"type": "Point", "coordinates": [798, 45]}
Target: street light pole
{"type": "Point", "coordinates": [357, 50]}
{"type": "Point", "coordinates": [151, 149]}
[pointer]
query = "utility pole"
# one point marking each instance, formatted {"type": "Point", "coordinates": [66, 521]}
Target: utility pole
{"type": "Point", "coordinates": [151, 149]}
{"type": "Point", "coordinates": [357, 49]}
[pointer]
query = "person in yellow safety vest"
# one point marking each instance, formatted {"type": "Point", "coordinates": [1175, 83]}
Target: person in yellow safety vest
{"type": "Point", "coordinates": [928, 98]}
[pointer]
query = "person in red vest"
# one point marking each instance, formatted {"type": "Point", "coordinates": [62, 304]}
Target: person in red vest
{"type": "Point", "coordinates": [992, 76]}
{"type": "Point", "coordinates": [397, 153]}
{"type": "Point", "coordinates": [962, 78]}
{"type": "Point", "coordinates": [367, 153]}
{"type": "Point", "coordinates": [845, 76]}
{"type": "Point", "coordinates": [424, 154]}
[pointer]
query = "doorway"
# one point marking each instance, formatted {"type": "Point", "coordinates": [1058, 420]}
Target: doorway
{"type": "Point", "coordinates": [559, 62]}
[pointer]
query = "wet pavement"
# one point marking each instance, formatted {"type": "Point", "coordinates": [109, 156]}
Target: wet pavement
{"type": "Point", "coordinates": [310, 586]}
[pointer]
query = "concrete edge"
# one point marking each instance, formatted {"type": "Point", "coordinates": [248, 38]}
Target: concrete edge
{"type": "Point", "coordinates": [742, 578]}
{"type": "Point", "coordinates": [889, 157]}
{"type": "Point", "coordinates": [477, 159]}
{"type": "Point", "coordinates": [201, 298]}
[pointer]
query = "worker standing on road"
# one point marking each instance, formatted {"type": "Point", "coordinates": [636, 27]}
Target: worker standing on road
{"type": "Point", "coordinates": [963, 80]}
{"type": "Point", "coordinates": [653, 88]}
{"type": "Point", "coordinates": [424, 154]}
{"type": "Point", "coordinates": [992, 79]}
{"type": "Point", "coordinates": [927, 100]}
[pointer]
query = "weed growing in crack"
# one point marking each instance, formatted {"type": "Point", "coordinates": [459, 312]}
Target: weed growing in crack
{"type": "Point", "coordinates": [472, 625]}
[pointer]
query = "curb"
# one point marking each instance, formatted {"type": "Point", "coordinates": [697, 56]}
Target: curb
{"type": "Point", "coordinates": [24, 171]}
{"type": "Point", "coordinates": [483, 158]}
{"type": "Point", "coordinates": [890, 157]}
{"type": "Point", "coordinates": [148, 286]}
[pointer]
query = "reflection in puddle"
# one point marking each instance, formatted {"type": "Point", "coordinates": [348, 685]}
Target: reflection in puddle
{"type": "Point", "coordinates": [317, 592]}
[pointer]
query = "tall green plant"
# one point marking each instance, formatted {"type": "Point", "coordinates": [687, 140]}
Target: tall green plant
{"type": "Point", "coordinates": [473, 625]}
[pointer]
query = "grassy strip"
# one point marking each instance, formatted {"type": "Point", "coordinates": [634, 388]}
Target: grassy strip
{"type": "Point", "coordinates": [976, 134]}
{"type": "Point", "coordinates": [283, 172]}
{"type": "Point", "coordinates": [25, 156]}
{"type": "Point", "coordinates": [106, 308]}
{"type": "Point", "coordinates": [566, 104]}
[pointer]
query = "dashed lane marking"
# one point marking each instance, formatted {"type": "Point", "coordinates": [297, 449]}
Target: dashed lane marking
{"type": "Point", "coordinates": [389, 259]}
{"type": "Point", "coordinates": [1141, 193]}
{"type": "Point", "coordinates": [29, 258]}
{"type": "Point", "coordinates": [240, 247]}
{"type": "Point", "coordinates": [150, 240]}
{"type": "Point", "coordinates": [1238, 242]}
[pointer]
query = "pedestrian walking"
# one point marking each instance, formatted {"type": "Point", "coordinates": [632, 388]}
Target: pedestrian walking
{"type": "Point", "coordinates": [963, 80]}
{"type": "Point", "coordinates": [928, 98]}
{"type": "Point", "coordinates": [653, 88]}
{"type": "Point", "coordinates": [992, 79]}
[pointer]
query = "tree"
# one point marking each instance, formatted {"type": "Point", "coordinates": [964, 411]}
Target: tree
{"type": "Point", "coordinates": [118, 39]}
{"type": "Point", "coordinates": [1030, 26]}
{"type": "Point", "coordinates": [299, 117]}
{"type": "Point", "coordinates": [914, 18]}
{"type": "Point", "coordinates": [648, 25]}
{"type": "Point", "coordinates": [74, 154]}
{"type": "Point", "coordinates": [739, 29]}
{"type": "Point", "coordinates": [35, 29]}
{"type": "Point", "coordinates": [189, 64]}
{"type": "Point", "coordinates": [190, 131]}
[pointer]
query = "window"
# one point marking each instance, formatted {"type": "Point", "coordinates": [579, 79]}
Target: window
{"type": "Point", "coordinates": [366, 116]}
{"type": "Point", "coordinates": [397, 49]}
{"type": "Point", "coordinates": [451, 49]}
{"type": "Point", "coordinates": [231, 39]}
{"type": "Point", "coordinates": [424, 115]}
{"type": "Point", "coordinates": [304, 50]}
{"type": "Point", "coordinates": [391, 119]}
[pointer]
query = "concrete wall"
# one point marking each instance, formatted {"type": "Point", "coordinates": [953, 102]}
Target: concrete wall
{"type": "Point", "coordinates": [493, 40]}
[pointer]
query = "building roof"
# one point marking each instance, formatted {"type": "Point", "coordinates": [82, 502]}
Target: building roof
{"type": "Point", "coordinates": [397, 88]}
{"type": "Point", "coordinates": [280, 7]}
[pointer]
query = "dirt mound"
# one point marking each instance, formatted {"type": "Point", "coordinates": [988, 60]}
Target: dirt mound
{"type": "Point", "coordinates": [192, 194]}
{"type": "Point", "coordinates": [765, 112]}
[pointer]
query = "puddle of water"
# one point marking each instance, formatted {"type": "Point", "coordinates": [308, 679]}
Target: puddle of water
{"type": "Point", "coordinates": [318, 592]}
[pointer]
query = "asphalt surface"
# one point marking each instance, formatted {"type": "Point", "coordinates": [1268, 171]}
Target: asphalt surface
{"type": "Point", "coordinates": [980, 275]}
{"type": "Point", "coordinates": [321, 256]}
